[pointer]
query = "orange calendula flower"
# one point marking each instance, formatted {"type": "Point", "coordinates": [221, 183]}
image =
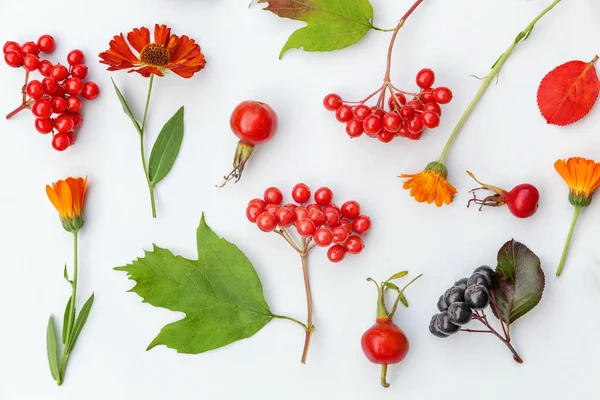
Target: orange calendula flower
{"type": "Point", "coordinates": [430, 185]}
{"type": "Point", "coordinates": [166, 53]}
{"type": "Point", "coordinates": [67, 197]}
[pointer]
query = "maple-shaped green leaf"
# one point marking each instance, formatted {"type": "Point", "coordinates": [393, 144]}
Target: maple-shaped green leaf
{"type": "Point", "coordinates": [220, 294]}
{"type": "Point", "coordinates": [331, 24]}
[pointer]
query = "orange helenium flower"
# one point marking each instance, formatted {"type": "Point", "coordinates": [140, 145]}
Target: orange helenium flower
{"type": "Point", "coordinates": [430, 185]}
{"type": "Point", "coordinates": [168, 52]}
{"type": "Point", "coordinates": [67, 197]}
{"type": "Point", "coordinates": [582, 176]}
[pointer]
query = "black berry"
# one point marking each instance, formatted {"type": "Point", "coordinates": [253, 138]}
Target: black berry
{"type": "Point", "coordinates": [479, 279]}
{"type": "Point", "coordinates": [461, 283]}
{"type": "Point", "coordinates": [453, 295]}
{"type": "Point", "coordinates": [489, 273]}
{"type": "Point", "coordinates": [477, 297]}
{"type": "Point", "coordinates": [441, 305]}
{"type": "Point", "coordinates": [443, 324]}
{"type": "Point", "coordinates": [460, 314]}
{"type": "Point", "coordinates": [433, 328]}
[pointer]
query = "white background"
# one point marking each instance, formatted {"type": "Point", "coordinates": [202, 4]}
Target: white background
{"type": "Point", "coordinates": [506, 142]}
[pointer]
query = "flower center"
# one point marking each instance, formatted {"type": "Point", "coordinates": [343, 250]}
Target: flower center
{"type": "Point", "coordinates": [155, 54]}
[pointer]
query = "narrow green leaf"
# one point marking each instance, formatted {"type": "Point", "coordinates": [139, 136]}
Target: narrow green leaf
{"type": "Point", "coordinates": [390, 285]}
{"type": "Point", "coordinates": [126, 108]}
{"type": "Point", "coordinates": [80, 322]}
{"type": "Point", "coordinates": [67, 322]}
{"type": "Point", "coordinates": [403, 299]}
{"type": "Point", "coordinates": [66, 274]}
{"type": "Point", "coordinates": [166, 148]}
{"type": "Point", "coordinates": [52, 350]}
{"type": "Point", "coordinates": [398, 275]}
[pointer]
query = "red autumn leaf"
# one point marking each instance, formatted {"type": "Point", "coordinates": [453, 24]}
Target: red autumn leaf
{"type": "Point", "coordinates": [568, 93]}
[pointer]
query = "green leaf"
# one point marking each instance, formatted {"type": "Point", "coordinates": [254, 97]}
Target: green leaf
{"type": "Point", "coordinates": [331, 24]}
{"type": "Point", "coordinates": [52, 350]}
{"type": "Point", "coordinates": [390, 285]}
{"type": "Point", "coordinates": [220, 294]}
{"type": "Point", "coordinates": [126, 108]}
{"type": "Point", "coordinates": [522, 283]}
{"type": "Point", "coordinates": [403, 299]}
{"type": "Point", "coordinates": [166, 148]}
{"type": "Point", "coordinates": [80, 322]}
{"type": "Point", "coordinates": [399, 275]}
{"type": "Point", "coordinates": [67, 321]}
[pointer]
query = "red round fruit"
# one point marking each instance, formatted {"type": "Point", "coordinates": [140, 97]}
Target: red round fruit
{"type": "Point", "coordinates": [336, 253]}
{"type": "Point", "coordinates": [332, 102]}
{"type": "Point", "coordinates": [323, 196]}
{"type": "Point", "coordinates": [300, 213]}
{"type": "Point", "coordinates": [291, 207]}
{"type": "Point", "coordinates": [344, 113]}
{"type": "Point", "coordinates": [392, 121]}
{"type": "Point", "coordinates": [73, 86]}
{"type": "Point", "coordinates": [426, 95]}
{"type": "Point", "coordinates": [46, 44]}
{"type": "Point", "coordinates": [259, 202]}
{"type": "Point", "coordinates": [273, 196]}
{"type": "Point", "coordinates": [64, 123]}
{"type": "Point", "coordinates": [522, 200]}
{"type": "Point", "coordinates": [59, 72]}
{"type": "Point", "coordinates": [433, 106]}
{"type": "Point", "coordinates": [384, 343]}
{"type": "Point", "coordinates": [403, 132]}
{"type": "Point", "coordinates": [425, 78]}
{"type": "Point", "coordinates": [44, 125]}
{"type": "Point", "coordinates": [35, 89]}
{"type": "Point", "coordinates": [386, 136]}
{"type": "Point", "coordinates": [361, 112]}
{"type": "Point", "coordinates": [401, 99]}
{"type": "Point", "coordinates": [332, 217]}
{"type": "Point", "coordinates": [354, 128]}
{"type": "Point", "coordinates": [252, 122]}
{"type": "Point", "coordinates": [354, 245]}
{"type": "Point", "coordinates": [301, 193]}
{"type": "Point", "coordinates": [266, 222]}
{"type": "Point", "coordinates": [416, 105]}
{"type": "Point", "coordinates": [79, 71]}
{"type": "Point", "coordinates": [30, 48]}
{"type": "Point", "coordinates": [317, 217]}
{"type": "Point", "coordinates": [253, 211]}
{"type": "Point", "coordinates": [306, 227]}
{"type": "Point", "coordinates": [42, 108]}
{"type": "Point", "coordinates": [430, 119]}
{"type": "Point", "coordinates": [75, 57]}
{"type": "Point", "coordinates": [50, 85]}
{"type": "Point", "coordinates": [347, 225]}
{"type": "Point", "coordinates": [284, 217]}
{"type": "Point", "coordinates": [45, 67]}
{"type": "Point", "coordinates": [415, 136]}
{"type": "Point", "coordinates": [73, 103]}
{"type": "Point", "coordinates": [61, 141]}
{"type": "Point", "coordinates": [407, 112]}
{"type": "Point", "coordinates": [11, 46]}
{"type": "Point", "coordinates": [375, 110]}
{"type": "Point", "coordinates": [340, 234]}
{"type": "Point", "coordinates": [272, 208]}
{"type": "Point", "coordinates": [415, 125]}
{"type": "Point", "coordinates": [442, 95]}
{"type": "Point", "coordinates": [59, 105]}
{"type": "Point", "coordinates": [350, 209]}
{"type": "Point", "coordinates": [71, 136]}
{"type": "Point", "coordinates": [76, 117]}
{"type": "Point", "coordinates": [361, 224]}
{"type": "Point", "coordinates": [13, 59]}
{"type": "Point", "coordinates": [323, 237]}
{"type": "Point", "coordinates": [31, 62]}
{"type": "Point", "coordinates": [91, 91]}
{"type": "Point", "coordinates": [373, 124]}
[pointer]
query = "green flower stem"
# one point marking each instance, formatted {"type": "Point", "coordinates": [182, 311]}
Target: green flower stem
{"type": "Point", "coordinates": [66, 350]}
{"type": "Point", "coordinates": [568, 242]}
{"type": "Point", "coordinates": [493, 73]}
{"type": "Point", "coordinates": [150, 186]}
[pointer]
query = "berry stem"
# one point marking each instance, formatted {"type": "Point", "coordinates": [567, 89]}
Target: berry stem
{"type": "Point", "coordinates": [144, 165]}
{"type": "Point", "coordinates": [493, 73]}
{"type": "Point", "coordinates": [310, 327]}
{"type": "Point", "coordinates": [16, 111]}
{"type": "Point", "coordinates": [561, 265]}
{"type": "Point", "coordinates": [290, 319]}
{"type": "Point", "coordinates": [483, 319]}
{"type": "Point", "coordinates": [24, 104]}
{"type": "Point", "coordinates": [384, 376]}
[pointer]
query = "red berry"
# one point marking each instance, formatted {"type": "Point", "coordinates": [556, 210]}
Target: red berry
{"type": "Point", "coordinates": [59, 72]}
{"type": "Point", "coordinates": [386, 136]}
{"type": "Point", "coordinates": [392, 121]}
{"type": "Point", "coordinates": [253, 211]}
{"type": "Point", "coordinates": [332, 217]}
{"type": "Point", "coordinates": [384, 343]}
{"type": "Point", "coordinates": [291, 207]}
{"type": "Point", "coordinates": [323, 237]}
{"type": "Point", "coordinates": [354, 128]}
{"type": "Point", "coordinates": [317, 217]}
{"type": "Point", "coordinates": [415, 104]}
{"type": "Point", "coordinates": [31, 62]}
{"type": "Point", "coordinates": [373, 124]}
{"type": "Point", "coordinates": [340, 234]}
{"type": "Point", "coordinates": [347, 225]}
{"type": "Point", "coordinates": [44, 125]}
{"type": "Point", "coordinates": [64, 123]}
{"type": "Point", "coordinates": [45, 67]}
{"type": "Point", "coordinates": [50, 85]}
{"type": "Point", "coordinates": [30, 48]}
{"type": "Point", "coordinates": [425, 78]}
{"type": "Point", "coordinates": [272, 208]}
{"type": "Point", "coordinates": [42, 108]}
{"type": "Point", "coordinates": [300, 213]}
{"type": "Point", "coordinates": [71, 136]}
{"type": "Point", "coordinates": [35, 90]}
{"type": "Point", "coordinates": [13, 59]}
{"type": "Point", "coordinates": [407, 112]}
{"type": "Point", "coordinates": [266, 222]}
{"type": "Point", "coordinates": [75, 57]}
{"type": "Point", "coordinates": [259, 202]}
{"type": "Point", "coordinates": [415, 136]}
{"type": "Point", "coordinates": [426, 95]}
{"type": "Point", "coordinates": [433, 106]}
{"type": "Point", "coordinates": [61, 141]}
{"type": "Point", "coordinates": [401, 99]}
{"type": "Point", "coordinates": [73, 103]}
{"type": "Point", "coordinates": [73, 86]}
{"type": "Point", "coordinates": [273, 196]}
{"type": "Point", "coordinates": [361, 224]}
{"type": "Point", "coordinates": [11, 46]}
{"type": "Point", "coordinates": [59, 105]}
{"type": "Point", "coordinates": [46, 44]}
{"type": "Point", "coordinates": [403, 132]}
{"type": "Point", "coordinates": [336, 253]}
{"type": "Point", "coordinates": [301, 193]}
{"type": "Point", "coordinates": [76, 117]}
{"type": "Point", "coordinates": [332, 206]}
{"type": "Point", "coordinates": [60, 91]}
{"type": "Point", "coordinates": [332, 102]}
{"type": "Point", "coordinates": [323, 196]}
{"type": "Point", "coordinates": [306, 227]}
{"type": "Point", "coordinates": [377, 111]}
{"type": "Point", "coordinates": [344, 113]}
{"type": "Point", "coordinates": [252, 122]}
{"type": "Point", "coordinates": [415, 125]}
{"type": "Point", "coordinates": [522, 200]}
{"type": "Point", "coordinates": [361, 112]}
{"type": "Point", "coordinates": [354, 245]}
{"type": "Point", "coordinates": [430, 119]}
{"type": "Point", "coordinates": [284, 217]}
{"type": "Point", "coordinates": [442, 95]}
{"type": "Point", "coordinates": [350, 209]}
{"type": "Point", "coordinates": [79, 71]}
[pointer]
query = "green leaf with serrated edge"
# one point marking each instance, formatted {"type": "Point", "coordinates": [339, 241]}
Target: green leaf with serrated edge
{"type": "Point", "coordinates": [403, 300]}
{"type": "Point", "coordinates": [52, 350]}
{"type": "Point", "coordinates": [126, 108]}
{"type": "Point", "coordinates": [166, 148]}
{"type": "Point", "coordinates": [220, 294]}
{"type": "Point", "coordinates": [80, 322]}
{"type": "Point", "coordinates": [522, 281]}
{"type": "Point", "coordinates": [68, 320]}
{"type": "Point", "coordinates": [390, 285]}
{"type": "Point", "coordinates": [331, 24]}
{"type": "Point", "coordinates": [399, 275]}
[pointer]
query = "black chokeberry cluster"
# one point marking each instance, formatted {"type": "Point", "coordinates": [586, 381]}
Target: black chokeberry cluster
{"type": "Point", "coordinates": [458, 303]}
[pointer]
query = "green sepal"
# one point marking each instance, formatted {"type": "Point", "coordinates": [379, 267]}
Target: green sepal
{"type": "Point", "coordinates": [579, 199]}
{"type": "Point", "coordinates": [438, 167]}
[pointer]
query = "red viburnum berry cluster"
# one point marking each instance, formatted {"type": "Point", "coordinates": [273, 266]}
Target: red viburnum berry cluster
{"type": "Point", "coordinates": [322, 222]}
{"type": "Point", "coordinates": [55, 101]}
{"type": "Point", "coordinates": [402, 118]}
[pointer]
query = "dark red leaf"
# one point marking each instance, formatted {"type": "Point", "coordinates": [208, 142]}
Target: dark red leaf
{"type": "Point", "coordinates": [568, 93]}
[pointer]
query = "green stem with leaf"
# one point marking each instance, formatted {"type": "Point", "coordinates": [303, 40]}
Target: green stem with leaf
{"type": "Point", "coordinates": [144, 163]}
{"type": "Point", "coordinates": [522, 36]}
{"type": "Point", "coordinates": [563, 259]}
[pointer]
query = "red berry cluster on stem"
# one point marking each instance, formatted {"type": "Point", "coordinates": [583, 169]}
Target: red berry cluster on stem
{"type": "Point", "coordinates": [56, 100]}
